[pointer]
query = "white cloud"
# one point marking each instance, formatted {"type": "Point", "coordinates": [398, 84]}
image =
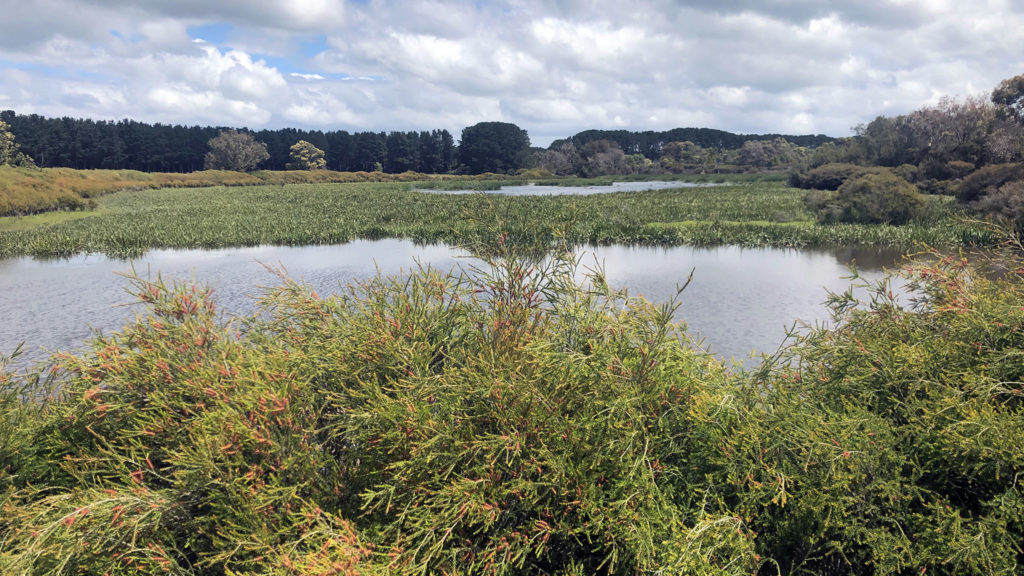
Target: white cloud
{"type": "Point", "coordinates": [553, 68]}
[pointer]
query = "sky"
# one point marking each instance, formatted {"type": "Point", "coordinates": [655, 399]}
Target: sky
{"type": "Point", "coordinates": [552, 67]}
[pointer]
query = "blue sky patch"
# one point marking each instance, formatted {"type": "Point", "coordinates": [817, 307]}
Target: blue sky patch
{"type": "Point", "coordinates": [212, 33]}
{"type": "Point", "coordinates": [313, 46]}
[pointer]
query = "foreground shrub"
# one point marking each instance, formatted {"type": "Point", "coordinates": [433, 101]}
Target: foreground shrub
{"type": "Point", "coordinates": [894, 444]}
{"type": "Point", "coordinates": [509, 422]}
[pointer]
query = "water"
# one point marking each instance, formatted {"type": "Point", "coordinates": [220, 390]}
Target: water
{"type": "Point", "coordinates": [538, 190]}
{"type": "Point", "coordinates": [740, 300]}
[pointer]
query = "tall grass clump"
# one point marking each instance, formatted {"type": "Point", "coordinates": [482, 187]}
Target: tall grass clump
{"type": "Point", "coordinates": [893, 443]}
{"type": "Point", "coordinates": [508, 421]}
{"type": "Point", "coordinates": [512, 420]}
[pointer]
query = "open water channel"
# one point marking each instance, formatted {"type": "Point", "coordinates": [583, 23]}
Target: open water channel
{"type": "Point", "coordinates": [545, 190]}
{"type": "Point", "coordinates": [741, 301]}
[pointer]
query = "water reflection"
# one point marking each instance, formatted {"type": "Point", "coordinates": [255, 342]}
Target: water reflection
{"type": "Point", "coordinates": [740, 300]}
{"type": "Point", "coordinates": [542, 190]}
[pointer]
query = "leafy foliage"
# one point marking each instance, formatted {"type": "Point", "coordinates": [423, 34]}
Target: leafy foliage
{"type": "Point", "coordinates": [894, 443]}
{"type": "Point", "coordinates": [305, 156]}
{"type": "Point", "coordinates": [507, 423]}
{"type": "Point", "coordinates": [509, 420]}
{"type": "Point", "coordinates": [987, 179]}
{"type": "Point", "coordinates": [233, 150]}
{"type": "Point", "coordinates": [827, 176]}
{"type": "Point", "coordinates": [498, 147]}
{"type": "Point", "coordinates": [873, 198]}
{"type": "Point", "coordinates": [10, 153]}
{"type": "Point", "coordinates": [1009, 97]}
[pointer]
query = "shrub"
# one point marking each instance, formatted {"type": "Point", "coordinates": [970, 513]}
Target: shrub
{"type": "Point", "coordinates": [908, 172]}
{"type": "Point", "coordinates": [938, 187]}
{"type": "Point", "coordinates": [1005, 204]}
{"type": "Point", "coordinates": [892, 443]}
{"type": "Point", "coordinates": [878, 198]}
{"type": "Point", "coordinates": [987, 179]}
{"type": "Point", "coordinates": [959, 168]}
{"type": "Point", "coordinates": [506, 423]}
{"type": "Point", "coordinates": [828, 176]}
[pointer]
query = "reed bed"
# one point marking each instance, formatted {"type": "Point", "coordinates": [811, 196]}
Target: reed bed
{"type": "Point", "coordinates": [32, 190]}
{"type": "Point", "coordinates": [747, 213]}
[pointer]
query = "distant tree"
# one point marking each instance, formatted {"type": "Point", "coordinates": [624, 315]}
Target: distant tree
{"type": "Point", "coordinates": [638, 164]}
{"type": "Point", "coordinates": [562, 161]}
{"type": "Point", "coordinates": [685, 156]}
{"type": "Point", "coordinates": [1008, 96]}
{"type": "Point", "coordinates": [449, 151]}
{"type": "Point", "coordinates": [769, 153]}
{"type": "Point", "coordinates": [305, 156]}
{"type": "Point", "coordinates": [10, 154]}
{"type": "Point", "coordinates": [494, 147]}
{"type": "Point", "coordinates": [234, 150]}
{"type": "Point", "coordinates": [951, 131]}
{"type": "Point", "coordinates": [603, 157]}
{"type": "Point", "coordinates": [1006, 141]}
{"type": "Point", "coordinates": [403, 152]}
{"type": "Point", "coordinates": [371, 151]}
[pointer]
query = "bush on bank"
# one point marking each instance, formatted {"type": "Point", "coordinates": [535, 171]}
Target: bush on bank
{"type": "Point", "coordinates": [516, 422]}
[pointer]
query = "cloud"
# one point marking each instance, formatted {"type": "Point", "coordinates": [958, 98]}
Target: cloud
{"type": "Point", "coordinates": [552, 67]}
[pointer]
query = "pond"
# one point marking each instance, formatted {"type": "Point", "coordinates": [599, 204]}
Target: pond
{"type": "Point", "coordinates": [544, 190]}
{"type": "Point", "coordinates": [740, 300]}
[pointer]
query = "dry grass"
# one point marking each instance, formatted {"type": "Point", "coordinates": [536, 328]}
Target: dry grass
{"type": "Point", "coordinates": [31, 190]}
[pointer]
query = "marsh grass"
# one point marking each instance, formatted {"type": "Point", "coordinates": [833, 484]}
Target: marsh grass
{"type": "Point", "coordinates": [747, 213]}
{"type": "Point", "coordinates": [33, 190]}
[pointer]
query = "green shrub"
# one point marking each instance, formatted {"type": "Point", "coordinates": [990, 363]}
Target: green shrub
{"type": "Point", "coordinates": [894, 442]}
{"type": "Point", "coordinates": [510, 422]}
{"type": "Point", "coordinates": [873, 198]}
{"type": "Point", "coordinates": [908, 172]}
{"type": "Point", "coordinates": [1004, 204]}
{"type": "Point", "coordinates": [987, 179]}
{"type": "Point", "coordinates": [938, 187]}
{"type": "Point", "coordinates": [828, 176]}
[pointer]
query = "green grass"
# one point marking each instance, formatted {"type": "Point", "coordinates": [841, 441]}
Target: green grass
{"type": "Point", "coordinates": [750, 212]}
{"type": "Point", "coordinates": [35, 221]}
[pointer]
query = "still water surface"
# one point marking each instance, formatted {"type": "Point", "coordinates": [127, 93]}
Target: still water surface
{"type": "Point", "coordinates": [539, 190]}
{"type": "Point", "coordinates": [740, 300]}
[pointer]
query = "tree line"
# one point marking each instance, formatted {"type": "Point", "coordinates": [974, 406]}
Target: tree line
{"type": "Point", "coordinates": [498, 147]}
{"type": "Point", "coordinates": [130, 145]}
{"type": "Point", "coordinates": [651, 143]}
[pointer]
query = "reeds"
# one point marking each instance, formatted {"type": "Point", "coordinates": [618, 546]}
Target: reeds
{"type": "Point", "coordinates": [752, 214]}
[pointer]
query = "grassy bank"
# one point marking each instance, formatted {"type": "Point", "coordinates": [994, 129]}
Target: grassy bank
{"type": "Point", "coordinates": [518, 423]}
{"type": "Point", "coordinates": [750, 213]}
{"type": "Point", "coordinates": [33, 190]}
